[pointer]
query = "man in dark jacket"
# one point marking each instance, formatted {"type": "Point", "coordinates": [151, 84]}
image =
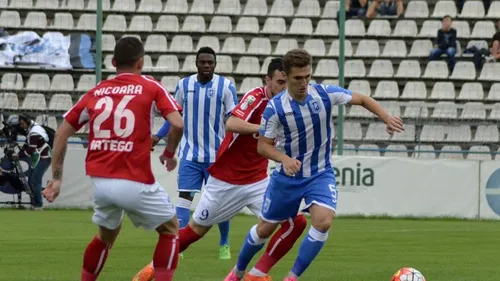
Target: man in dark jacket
{"type": "Point", "coordinates": [446, 43]}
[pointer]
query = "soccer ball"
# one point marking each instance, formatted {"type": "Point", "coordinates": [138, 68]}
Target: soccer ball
{"type": "Point", "coordinates": [408, 274]}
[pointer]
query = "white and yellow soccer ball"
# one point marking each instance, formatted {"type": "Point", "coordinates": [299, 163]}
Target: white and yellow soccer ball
{"type": "Point", "coordinates": [408, 274]}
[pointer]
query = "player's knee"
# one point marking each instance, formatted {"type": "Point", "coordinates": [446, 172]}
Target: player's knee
{"type": "Point", "coordinates": [322, 224]}
{"type": "Point", "coordinates": [108, 236]}
{"type": "Point", "coordinates": [266, 229]}
{"type": "Point", "coordinates": [186, 195]}
{"type": "Point", "coordinates": [170, 227]}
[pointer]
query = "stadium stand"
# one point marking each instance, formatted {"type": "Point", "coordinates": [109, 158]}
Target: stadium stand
{"type": "Point", "coordinates": [386, 58]}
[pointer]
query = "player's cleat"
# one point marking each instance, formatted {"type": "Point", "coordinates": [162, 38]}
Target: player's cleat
{"type": "Point", "coordinates": [289, 278]}
{"type": "Point", "coordinates": [181, 255]}
{"type": "Point", "coordinates": [250, 277]}
{"type": "Point", "coordinates": [146, 274]}
{"type": "Point", "coordinates": [224, 252]}
{"type": "Point", "coordinates": [232, 276]}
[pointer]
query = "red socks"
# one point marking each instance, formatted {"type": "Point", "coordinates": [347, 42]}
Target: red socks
{"type": "Point", "coordinates": [281, 242]}
{"type": "Point", "coordinates": [165, 257]}
{"type": "Point", "coordinates": [187, 237]}
{"type": "Point", "coordinates": [93, 259]}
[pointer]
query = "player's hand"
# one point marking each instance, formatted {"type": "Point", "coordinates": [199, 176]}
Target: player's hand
{"type": "Point", "coordinates": [52, 190]}
{"type": "Point", "coordinates": [170, 163]}
{"type": "Point", "coordinates": [394, 124]}
{"type": "Point", "coordinates": [291, 166]}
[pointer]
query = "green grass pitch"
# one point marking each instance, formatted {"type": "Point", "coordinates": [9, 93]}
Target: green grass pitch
{"type": "Point", "coordinates": [48, 245]}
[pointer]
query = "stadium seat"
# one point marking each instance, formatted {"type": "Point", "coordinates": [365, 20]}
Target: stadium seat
{"type": "Point", "coordinates": [34, 101]}
{"type": "Point", "coordinates": [394, 49]}
{"type": "Point", "coordinates": [249, 83]}
{"type": "Point", "coordinates": [360, 86]}
{"type": "Point", "coordinates": [229, 7]}
{"type": "Point", "coordinates": [10, 19]}
{"type": "Point", "coordinates": [359, 112]}
{"type": "Point", "coordinates": [115, 23]}
{"type": "Point", "coordinates": [330, 10]}
{"type": "Point", "coordinates": [381, 69]}
{"type": "Point", "coordinates": [490, 72]}
{"type": "Point", "coordinates": [494, 10]}
{"type": "Point", "coordinates": [432, 133]}
{"type": "Point", "coordinates": [202, 7]}
{"type": "Point", "coordinates": [495, 112]}
{"type": "Point", "coordinates": [386, 90]}
{"type": "Point", "coordinates": [368, 150]}
{"type": "Point", "coordinates": [23, 4]}
{"type": "Point", "coordinates": [416, 110]}
{"type": "Point", "coordinates": [334, 48]}
{"type": "Point", "coordinates": [35, 20]}
{"type": "Point", "coordinates": [9, 101]}
{"type": "Point", "coordinates": [460, 133]}
{"type": "Point", "coordinates": [150, 6]}
{"type": "Point", "coordinates": [424, 152]}
{"type": "Point", "coordinates": [47, 120]}
{"type": "Point", "coordinates": [379, 28]}
{"type": "Point", "coordinates": [464, 70]}
{"type": "Point", "coordinates": [255, 8]}
{"type": "Point", "coordinates": [408, 135]}
{"type": "Point", "coordinates": [472, 9]}
{"type": "Point", "coordinates": [395, 150]}
{"type": "Point", "coordinates": [409, 69]}
{"type": "Point", "coordinates": [167, 63]}
{"type": "Point", "coordinates": [284, 45]}
{"type": "Point", "coordinates": [73, 5]}
{"type": "Point", "coordinates": [62, 82]}
{"type": "Point", "coordinates": [414, 90]}
{"type": "Point", "coordinates": [417, 9]}
{"type": "Point", "coordinates": [327, 68]}
{"type": "Point", "coordinates": [170, 82]}
{"type": "Point", "coordinates": [354, 68]}
{"type": "Point", "coordinates": [443, 8]}
{"type": "Point", "coordinates": [377, 131]}
{"type": "Point", "coordinates": [12, 81]}
{"type": "Point", "coordinates": [436, 70]}
{"type": "Point", "coordinates": [259, 46]}
{"type": "Point", "coordinates": [301, 26]}
{"type": "Point", "coordinates": [462, 27]}
{"type": "Point", "coordinates": [405, 28]}
{"type": "Point", "coordinates": [308, 8]}
{"type": "Point", "coordinates": [487, 133]}
{"type": "Point", "coordinates": [148, 63]}
{"type": "Point", "coordinates": [483, 29]}
{"type": "Point", "coordinates": [60, 102]}
{"type": "Point", "coordinates": [249, 25]}
{"type": "Point", "coordinates": [327, 28]}
{"type": "Point", "coordinates": [87, 22]}
{"type": "Point", "coordinates": [225, 64]}
{"type": "Point", "coordinates": [494, 93]}
{"type": "Point", "coordinates": [220, 24]}
{"type": "Point", "coordinates": [479, 152]}
{"type": "Point", "coordinates": [451, 152]}
{"type": "Point", "coordinates": [393, 107]}
{"type": "Point", "coordinates": [282, 8]}
{"type": "Point", "coordinates": [180, 43]}
{"type": "Point", "coordinates": [108, 42]}
{"type": "Point", "coordinates": [352, 131]}
{"type": "Point", "coordinates": [354, 28]}
{"type": "Point", "coordinates": [471, 91]}
{"type": "Point", "coordinates": [234, 45]}
{"type": "Point", "coordinates": [176, 7]}
{"type": "Point", "coordinates": [194, 24]}
{"type": "Point", "coordinates": [189, 64]}
{"type": "Point", "coordinates": [158, 43]}
{"type": "Point", "coordinates": [248, 65]}
{"type": "Point", "coordinates": [430, 29]}
{"type": "Point", "coordinates": [443, 90]}
{"type": "Point", "coordinates": [367, 48]}
{"type": "Point", "coordinates": [92, 5]}
{"type": "Point", "coordinates": [274, 26]}
{"type": "Point", "coordinates": [38, 81]}
{"type": "Point", "coordinates": [168, 23]}
{"type": "Point", "coordinates": [86, 82]}
{"type": "Point", "coordinates": [445, 110]}
{"type": "Point", "coordinates": [124, 6]}
{"type": "Point", "coordinates": [63, 21]}
{"type": "Point", "coordinates": [211, 41]}
{"type": "Point", "coordinates": [141, 24]}
{"type": "Point", "coordinates": [316, 47]}
{"type": "Point", "coordinates": [420, 48]}
{"type": "Point", "coordinates": [473, 111]}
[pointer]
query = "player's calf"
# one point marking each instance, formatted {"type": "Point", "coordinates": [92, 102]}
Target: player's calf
{"type": "Point", "coordinates": [96, 253]}
{"type": "Point", "coordinates": [167, 251]}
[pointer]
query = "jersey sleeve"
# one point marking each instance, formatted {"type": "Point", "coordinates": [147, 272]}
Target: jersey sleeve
{"type": "Point", "coordinates": [230, 98]}
{"type": "Point", "coordinates": [269, 123]}
{"type": "Point", "coordinates": [165, 103]}
{"type": "Point", "coordinates": [179, 93]}
{"type": "Point", "coordinates": [247, 106]}
{"type": "Point", "coordinates": [78, 115]}
{"type": "Point", "coordinates": [338, 95]}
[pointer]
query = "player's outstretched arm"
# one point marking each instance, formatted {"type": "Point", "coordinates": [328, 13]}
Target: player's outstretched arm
{"type": "Point", "coordinates": [237, 125]}
{"type": "Point", "coordinates": [394, 123]}
{"type": "Point", "coordinates": [63, 133]}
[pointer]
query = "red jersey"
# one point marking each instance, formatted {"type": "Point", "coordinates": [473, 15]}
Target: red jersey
{"type": "Point", "coordinates": [120, 112]}
{"type": "Point", "coordinates": [237, 160]}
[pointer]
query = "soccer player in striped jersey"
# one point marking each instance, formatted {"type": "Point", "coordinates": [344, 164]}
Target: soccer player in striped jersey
{"type": "Point", "coordinates": [207, 100]}
{"type": "Point", "coordinates": [296, 132]}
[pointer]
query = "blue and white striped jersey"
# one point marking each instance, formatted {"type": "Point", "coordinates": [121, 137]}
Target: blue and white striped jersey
{"type": "Point", "coordinates": [205, 108]}
{"type": "Point", "coordinates": [304, 130]}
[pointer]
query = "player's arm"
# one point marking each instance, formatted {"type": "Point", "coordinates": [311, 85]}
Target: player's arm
{"type": "Point", "coordinates": [63, 133]}
{"type": "Point", "coordinates": [237, 122]}
{"type": "Point", "coordinates": [268, 132]}
{"type": "Point", "coordinates": [230, 98]}
{"type": "Point", "coordinates": [174, 134]}
{"type": "Point", "coordinates": [394, 123]}
{"type": "Point", "coordinates": [237, 125]}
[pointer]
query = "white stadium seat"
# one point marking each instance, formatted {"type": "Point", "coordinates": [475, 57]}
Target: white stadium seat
{"type": "Point", "coordinates": [308, 8]}
{"type": "Point", "coordinates": [234, 45]}
{"type": "Point", "coordinates": [443, 8]}
{"type": "Point", "coordinates": [247, 25]}
{"type": "Point", "coordinates": [194, 24]}
{"type": "Point", "coordinates": [417, 9]}
{"type": "Point", "coordinates": [282, 8]}
{"type": "Point", "coordinates": [202, 7]}
{"type": "Point", "coordinates": [168, 23]}
{"type": "Point", "coordinates": [409, 69]}
{"type": "Point", "coordinates": [229, 7]}
{"type": "Point", "coordinates": [414, 90]}
{"type": "Point", "coordinates": [176, 7]}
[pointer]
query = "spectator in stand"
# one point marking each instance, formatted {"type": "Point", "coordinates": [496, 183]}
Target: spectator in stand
{"type": "Point", "coordinates": [495, 45]}
{"type": "Point", "coordinates": [355, 8]}
{"type": "Point", "coordinates": [385, 8]}
{"type": "Point", "coordinates": [446, 43]}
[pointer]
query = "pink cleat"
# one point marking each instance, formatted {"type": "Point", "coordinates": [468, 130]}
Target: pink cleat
{"type": "Point", "coordinates": [289, 278]}
{"type": "Point", "coordinates": [232, 276]}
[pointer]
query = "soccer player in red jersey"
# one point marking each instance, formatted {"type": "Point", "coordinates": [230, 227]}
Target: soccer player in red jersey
{"type": "Point", "coordinates": [119, 112]}
{"type": "Point", "coordinates": [238, 179]}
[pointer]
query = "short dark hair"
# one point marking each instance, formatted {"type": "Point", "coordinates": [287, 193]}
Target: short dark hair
{"type": "Point", "coordinates": [447, 16]}
{"type": "Point", "coordinates": [296, 58]}
{"type": "Point", "coordinates": [128, 50]}
{"type": "Point", "coordinates": [206, 50]}
{"type": "Point", "coordinates": [274, 64]}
